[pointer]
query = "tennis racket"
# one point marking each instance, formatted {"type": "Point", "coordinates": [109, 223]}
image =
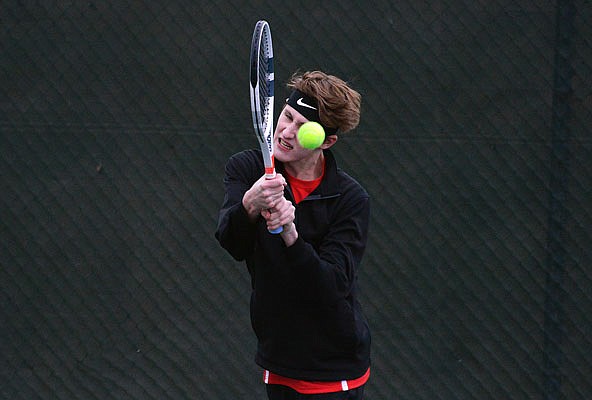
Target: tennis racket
{"type": "Point", "coordinates": [262, 78]}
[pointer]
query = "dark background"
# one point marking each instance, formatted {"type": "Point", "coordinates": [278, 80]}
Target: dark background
{"type": "Point", "coordinates": [116, 119]}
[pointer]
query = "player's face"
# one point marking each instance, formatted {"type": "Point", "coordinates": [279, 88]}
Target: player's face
{"type": "Point", "coordinates": [286, 146]}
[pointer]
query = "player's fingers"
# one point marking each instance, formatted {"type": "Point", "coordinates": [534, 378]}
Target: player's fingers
{"type": "Point", "coordinates": [266, 214]}
{"type": "Point", "coordinates": [285, 212]}
{"type": "Point", "coordinates": [286, 205]}
{"type": "Point", "coordinates": [277, 183]}
{"type": "Point", "coordinates": [273, 200]}
{"type": "Point", "coordinates": [281, 179]}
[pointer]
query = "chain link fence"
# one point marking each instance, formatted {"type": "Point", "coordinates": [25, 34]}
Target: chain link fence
{"type": "Point", "coordinates": [116, 119]}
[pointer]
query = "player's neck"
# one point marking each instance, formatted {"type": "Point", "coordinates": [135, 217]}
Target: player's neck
{"type": "Point", "coordinates": [306, 169]}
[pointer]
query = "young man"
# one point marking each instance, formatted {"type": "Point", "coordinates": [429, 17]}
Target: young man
{"type": "Point", "coordinates": [313, 339]}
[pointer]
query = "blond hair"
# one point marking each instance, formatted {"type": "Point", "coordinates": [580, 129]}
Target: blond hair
{"type": "Point", "coordinates": [339, 105]}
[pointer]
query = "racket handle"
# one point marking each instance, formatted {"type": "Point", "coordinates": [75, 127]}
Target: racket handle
{"type": "Point", "coordinates": [276, 230]}
{"type": "Point", "coordinates": [270, 174]}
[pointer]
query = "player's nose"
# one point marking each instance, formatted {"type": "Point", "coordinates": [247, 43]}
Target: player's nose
{"type": "Point", "coordinates": [290, 131]}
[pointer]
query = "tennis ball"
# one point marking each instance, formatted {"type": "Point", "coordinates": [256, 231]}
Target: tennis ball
{"type": "Point", "coordinates": [311, 135]}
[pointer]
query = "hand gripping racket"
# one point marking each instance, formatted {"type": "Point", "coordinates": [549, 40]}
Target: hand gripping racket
{"type": "Point", "coordinates": [262, 95]}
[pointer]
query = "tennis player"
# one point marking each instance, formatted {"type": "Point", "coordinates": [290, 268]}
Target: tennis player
{"type": "Point", "coordinates": [313, 339]}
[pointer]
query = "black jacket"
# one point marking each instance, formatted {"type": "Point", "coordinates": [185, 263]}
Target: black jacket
{"type": "Point", "coordinates": [304, 307]}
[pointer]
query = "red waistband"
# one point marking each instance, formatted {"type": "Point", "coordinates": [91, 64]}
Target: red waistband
{"type": "Point", "coordinates": [315, 387]}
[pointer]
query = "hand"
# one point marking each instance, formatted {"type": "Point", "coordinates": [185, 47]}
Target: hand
{"type": "Point", "coordinates": [289, 234]}
{"type": "Point", "coordinates": [282, 214]}
{"type": "Point", "coordinates": [264, 195]}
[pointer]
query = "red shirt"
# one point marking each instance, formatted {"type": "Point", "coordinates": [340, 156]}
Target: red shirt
{"type": "Point", "coordinates": [301, 189]}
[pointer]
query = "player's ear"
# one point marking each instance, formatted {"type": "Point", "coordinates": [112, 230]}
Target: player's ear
{"type": "Point", "coordinates": [329, 141]}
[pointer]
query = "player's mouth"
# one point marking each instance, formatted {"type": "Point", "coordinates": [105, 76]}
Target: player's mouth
{"type": "Point", "coordinates": [284, 145]}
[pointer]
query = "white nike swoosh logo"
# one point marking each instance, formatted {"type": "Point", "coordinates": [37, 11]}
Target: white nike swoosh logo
{"type": "Point", "coordinates": [300, 102]}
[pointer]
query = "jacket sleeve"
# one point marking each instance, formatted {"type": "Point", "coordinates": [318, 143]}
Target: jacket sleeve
{"type": "Point", "coordinates": [235, 232]}
{"type": "Point", "coordinates": [329, 272]}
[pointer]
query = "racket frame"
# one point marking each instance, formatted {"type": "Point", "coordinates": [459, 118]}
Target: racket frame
{"type": "Point", "coordinates": [262, 95]}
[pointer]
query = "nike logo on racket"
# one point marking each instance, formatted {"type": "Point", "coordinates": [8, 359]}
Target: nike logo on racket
{"type": "Point", "coordinates": [301, 102]}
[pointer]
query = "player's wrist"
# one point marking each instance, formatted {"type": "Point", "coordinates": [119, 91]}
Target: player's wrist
{"type": "Point", "coordinates": [289, 234]}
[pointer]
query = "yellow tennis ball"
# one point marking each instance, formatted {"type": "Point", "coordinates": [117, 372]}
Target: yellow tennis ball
{"type": "Point", "coordinates": [311, 135]}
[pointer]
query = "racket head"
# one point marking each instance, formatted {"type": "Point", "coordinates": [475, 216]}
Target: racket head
{"type": "Point", "coordinates": [262, 92]}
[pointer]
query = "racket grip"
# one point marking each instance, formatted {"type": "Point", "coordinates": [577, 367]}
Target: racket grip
{"type": "Point", "coordinates": [270, 174]}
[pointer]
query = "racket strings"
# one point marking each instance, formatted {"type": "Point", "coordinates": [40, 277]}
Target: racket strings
{"type": "Point", "coordinates": [264, 84]}
{"type": "Point", "coordinates": [261, 51]}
